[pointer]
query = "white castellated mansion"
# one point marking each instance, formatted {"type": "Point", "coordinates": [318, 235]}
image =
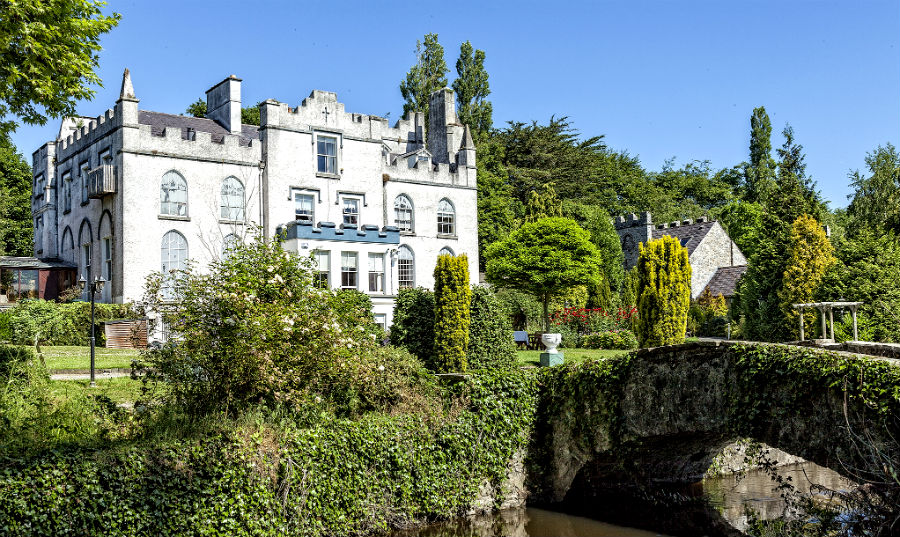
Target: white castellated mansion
{"type": "Point", "coordinates": [133, 191]}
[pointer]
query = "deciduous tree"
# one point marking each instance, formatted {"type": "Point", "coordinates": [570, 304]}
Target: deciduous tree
{"type": "Point", "coordinates": [545, 258]}
{"type": "Point", "coordinates": [16, 236]}
{"type": "Point", "coordinates": [48, 54]}
{"type": "Point", "coordinates": [664, 292]}
{"type": "Point", "coordinates": [876, 196]}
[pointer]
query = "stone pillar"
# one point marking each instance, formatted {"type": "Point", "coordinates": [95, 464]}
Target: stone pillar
{"type": "Point", "coordinates": [831, 320]}
{"type": "Point", "coordinates": [855, 334]}
{"type": "Point", "coordinates": [801, 324]}
{"type": "Point", "coordinates": [824, 328]}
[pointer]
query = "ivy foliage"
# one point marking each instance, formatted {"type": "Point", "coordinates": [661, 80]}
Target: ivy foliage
{"type": "Point", "coordinates": [490, 334]}
{"type": "Point", "coordinates": [663, 292]}
{"type": "Point", "coordinates": [452, 298]}
{"type": "Point", "coordinates": [336, 477]}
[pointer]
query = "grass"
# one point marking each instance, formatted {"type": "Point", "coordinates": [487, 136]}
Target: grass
{"type": "Point", "coordinates": [80, 357]}
{"type": "Point", "coordinates": [571, 355]}
{"type": "Point", "coordinates": [120, 390]}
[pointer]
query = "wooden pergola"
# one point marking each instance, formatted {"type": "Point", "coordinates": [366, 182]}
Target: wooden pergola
{"type": "Point", "coordinates": [828, 307]}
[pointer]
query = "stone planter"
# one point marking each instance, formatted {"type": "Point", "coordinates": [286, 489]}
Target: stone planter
{"type": "Point", "coordinates": [552, 356]}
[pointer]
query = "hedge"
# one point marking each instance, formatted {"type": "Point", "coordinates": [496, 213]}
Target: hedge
{"type": "Point", "coordinates": [490, 333]}
{"type": "Point", "coordinates": [59, 324]}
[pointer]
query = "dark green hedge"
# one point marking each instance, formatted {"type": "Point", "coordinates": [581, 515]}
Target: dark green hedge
{"type": "Point", "coordinates": [59, 324]}
{"type": "Point", "coordinates": [339, 477]}
{"type": "Point", "coordinates": [490, 332]}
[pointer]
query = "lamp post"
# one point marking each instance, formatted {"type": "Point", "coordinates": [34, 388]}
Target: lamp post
{"type": "Point", "coordinates": [95, 287]}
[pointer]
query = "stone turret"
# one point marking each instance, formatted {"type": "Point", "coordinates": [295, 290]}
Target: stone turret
{"type": "Point", "coordinates": [633, 230]}
{"type": "Point", "coordinates": [223, 104]}
{"type": "Point", "coordinates": [466, 154]}
{"type": "Point", "coordinates": [127, 104]}
{"type": "Point", "coordinates": [445, 134]}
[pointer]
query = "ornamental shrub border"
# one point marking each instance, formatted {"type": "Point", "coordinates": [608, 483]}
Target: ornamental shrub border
{"type": "Point", "coordinates": [59, 324]}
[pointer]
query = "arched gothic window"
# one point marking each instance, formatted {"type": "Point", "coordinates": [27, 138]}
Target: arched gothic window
{"type": "Point", "coordinates": [174, 252]}
{"type": "Point", "coordinates": [403, 213]}
{"type": "Point", "coordinates": [231, 241]}
{"type": "Point", "coordinates": [446, 218]}
{"type": "Point", "coordinates": [446, 251]}
{"type": "Point", "coordinates": [232, 206]}
{"type": "Point", "coordinates": [173, 199]}
{"type": "Point", "coordinates": [406, 268]}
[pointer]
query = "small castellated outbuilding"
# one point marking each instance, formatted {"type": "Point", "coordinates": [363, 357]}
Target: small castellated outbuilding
{"type": "Point", "coordinates": [133, 191]}
{"type": "Point", "coordinates": [716, 261]}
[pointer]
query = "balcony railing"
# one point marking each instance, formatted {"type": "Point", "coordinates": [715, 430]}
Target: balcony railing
{"type": "Point", "coordinates": [102, 181]}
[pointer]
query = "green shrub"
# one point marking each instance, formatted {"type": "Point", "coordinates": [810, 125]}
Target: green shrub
{"type": "Point", "coordinates": [613, 339]}
{"type": "Point", "coordinates": [413, 327]}
{"type": "Point", "coordinates": [61, 324]}
{"type": "Point", "coordinates": [6, 333]}
{"type": "Point", "coordinates": [452, 298]}
{"type": "Point", "coordinates": [664, 292]}
{"type": "Point", "coordinates": [32, 420]}
{"type": "Point", "coordinates": [354, 308]}
{"type": "Point", "coordinates": [522, 309]}
{"type": "Point", "coordinates": [253, 328]}
{"type": "Point", "coordinates": [490, 335]}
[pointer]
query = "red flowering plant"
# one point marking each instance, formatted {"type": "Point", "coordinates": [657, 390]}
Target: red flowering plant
{"type": "Point", "coordinates": [590, 320]}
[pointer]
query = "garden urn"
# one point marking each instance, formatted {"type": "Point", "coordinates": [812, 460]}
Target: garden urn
{"type": "Point", "coordinates": [552, 356]}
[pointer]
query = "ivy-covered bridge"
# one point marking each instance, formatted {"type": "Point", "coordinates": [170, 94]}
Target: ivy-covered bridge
{"type": "Point", "coordinates": [663, 414]}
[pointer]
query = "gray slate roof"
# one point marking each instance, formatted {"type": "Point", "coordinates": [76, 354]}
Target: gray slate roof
{"type": "Point", "coordinates": [159, 122]}
{"type": "Point", "coordinates": [724, 281]}
{"type": "Point", "coordinates": [690, 235]}
{"type": "Point", "coordinates": [11, 262]}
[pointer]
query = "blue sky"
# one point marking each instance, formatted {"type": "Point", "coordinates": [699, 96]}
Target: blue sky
{"type": "Point", "coordinates": [660, 79]}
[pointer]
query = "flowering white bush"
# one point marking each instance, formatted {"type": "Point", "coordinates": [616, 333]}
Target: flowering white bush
{"type": "Point", "coordinates": [254, 329]}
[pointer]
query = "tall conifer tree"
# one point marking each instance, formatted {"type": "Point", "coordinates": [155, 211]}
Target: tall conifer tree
{"type": "Point", "coordinates": [759, 174]}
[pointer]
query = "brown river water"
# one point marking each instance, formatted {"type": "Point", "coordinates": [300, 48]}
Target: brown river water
{"type": "Point", "coordinates": [722, 499]}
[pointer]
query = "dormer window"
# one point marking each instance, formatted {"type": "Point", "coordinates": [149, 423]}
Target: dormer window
{"type": "Point", "coordinates": [326, 154]}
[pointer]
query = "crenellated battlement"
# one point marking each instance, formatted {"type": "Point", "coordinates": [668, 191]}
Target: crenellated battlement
{"type": "Point", "coordinates": [88, 133]}
{"type": "Point", "coordinates": [329, 231]}
{"type": "Point", "coordinates": [179, 140]}
{"type": "Point", "coordinates": [633, 220]}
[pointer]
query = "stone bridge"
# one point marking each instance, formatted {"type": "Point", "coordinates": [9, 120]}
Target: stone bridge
{"type": "Point", "coordinates": [661, 415]}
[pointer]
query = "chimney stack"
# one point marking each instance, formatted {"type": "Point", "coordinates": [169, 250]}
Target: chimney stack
{"type": "Point", "coordinates": [223, 104]}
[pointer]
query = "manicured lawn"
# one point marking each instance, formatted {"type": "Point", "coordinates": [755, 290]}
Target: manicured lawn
{"type": "Point", "coordinates": [80, 357]}
{"type": "Point", "coordinates": [571, 355]}
{"type": "Point", "coordinates": [120, 390]}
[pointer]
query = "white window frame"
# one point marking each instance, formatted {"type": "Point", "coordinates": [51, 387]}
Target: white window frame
{"type": "Point", "coordinates": [322, 159]}
{"type": "Point", "coordinates": [410, 228]}
{"type": "Point", "coordinates": [446, 220]}
{"type": "Point", "coordinates": [229, 212]}
{"type": "Point", "coordinates": [376, 272]}
{"type": "Point", "coordinates": [322, 257]}
{"type": "Point", "coordinates": [358, 200]}
{"type": "Point", "coordinates": [228, 242]}
{"type": "Point", "coordinates": [446, 250]}
{"type": "Point", "coordinates": [312, 205]}
{"type": "Point", "coordinates": [186, 202]}
{"type": "Point", "coordinates": [411, 269]}
{"type": "Point", "coordinates": [349, 272]}
{"type": "Point", "coordinates": [381, 320]}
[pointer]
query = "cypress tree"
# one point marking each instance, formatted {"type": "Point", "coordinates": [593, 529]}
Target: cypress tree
{"type": "Point", "coordinates": [811, 254]}
{"type": "Point", "coordinates": [428, 75]}
{"type": "Point", "coordinates": [452, 298]}
{"type": "Point", "coordinates": [664, 292]}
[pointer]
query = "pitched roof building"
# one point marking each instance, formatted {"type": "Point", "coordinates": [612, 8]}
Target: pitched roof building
{"type": "Point", "coordinates": [715, 259]}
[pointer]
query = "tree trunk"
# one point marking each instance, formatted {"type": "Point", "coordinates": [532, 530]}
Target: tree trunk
{"type": "Point", "coordinates": [546, 301]}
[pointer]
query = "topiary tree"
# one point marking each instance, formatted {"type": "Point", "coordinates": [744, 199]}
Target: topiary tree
{"type": "Point", "coordinates": [452, 298]}
{"type": "Point", "coordinates": [663, 292]}
{"type": "Point", "coordinates": [811, 254]}
{"type": "Point", "coordinates": [413, 326]}
{"type": "Point", "coordinates": [545, 258]}
{"type": "Point", "coordinates": [490, 332]}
